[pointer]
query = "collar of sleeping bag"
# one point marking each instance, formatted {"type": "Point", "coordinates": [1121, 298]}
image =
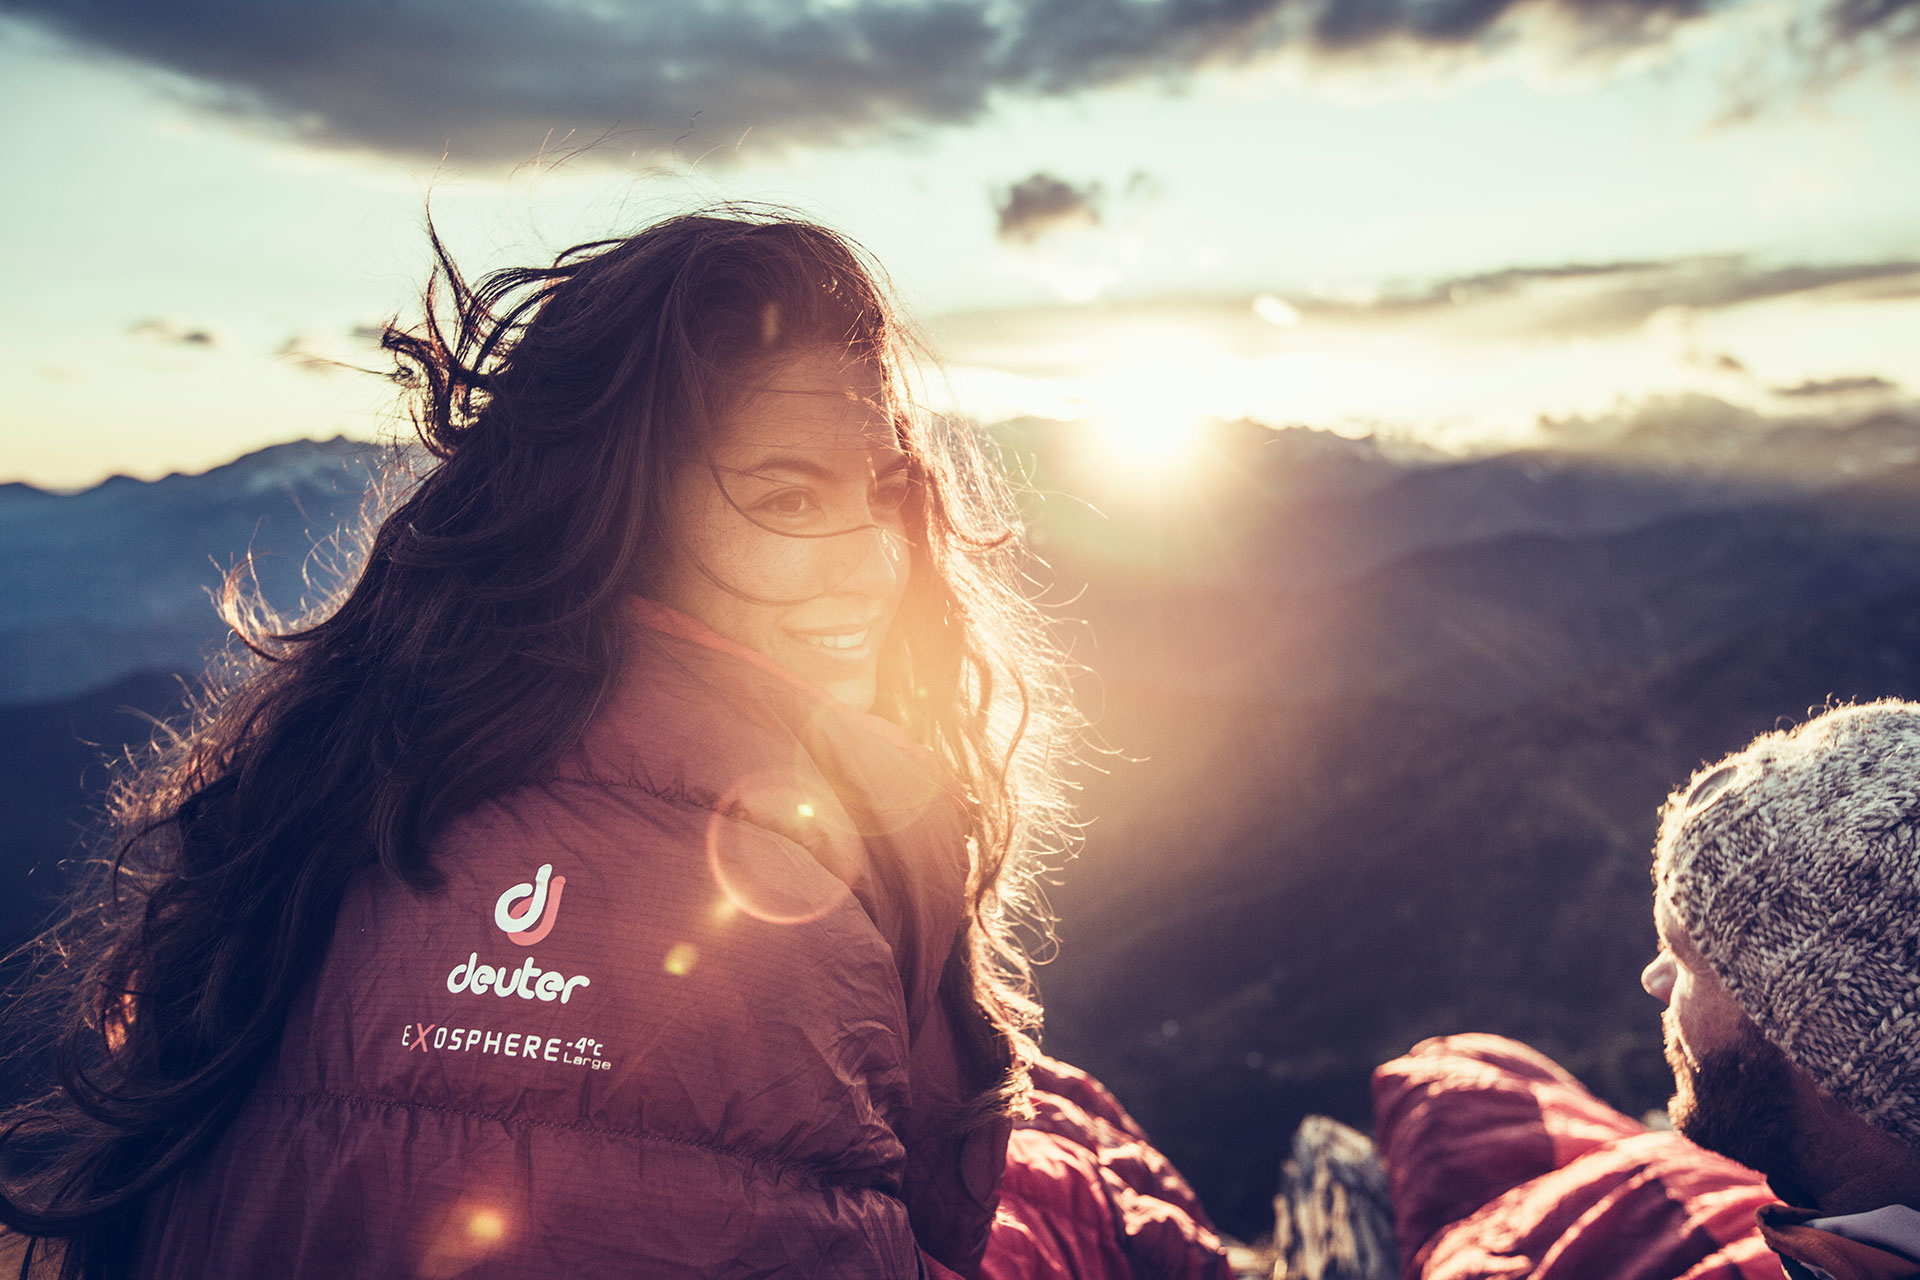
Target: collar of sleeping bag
{"type": "Point", "coordinates": [1883, 1244]}
{"type": "Point", "coordinates": [667, 620]}
{"type": "Point", "coordinates": [1895, 1227]}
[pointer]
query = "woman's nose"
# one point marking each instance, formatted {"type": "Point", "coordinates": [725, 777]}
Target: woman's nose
{"type": "Point", "coordinates": [872, 561]}
{"type": "Point", "coordinates": [1657, 978]}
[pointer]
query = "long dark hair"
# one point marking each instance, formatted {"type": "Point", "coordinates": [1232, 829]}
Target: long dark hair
{"type": "Point", "coordinates": [481, 634]}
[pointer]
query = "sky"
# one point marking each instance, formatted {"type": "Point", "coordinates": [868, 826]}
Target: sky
{"type": "Point", "coordinates": [1471, 224]}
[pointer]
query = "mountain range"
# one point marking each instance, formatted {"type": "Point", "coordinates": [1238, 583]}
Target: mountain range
{"type": "Point", "coordinates": [116, 579]}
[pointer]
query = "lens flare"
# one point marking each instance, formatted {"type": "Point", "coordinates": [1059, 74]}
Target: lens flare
{"type": "Point", "coordinates": [779, 881]}
{"type": "Point", "coordinates": [681, 957]}
{"type": "Point", "coordinates": [470, 1231]}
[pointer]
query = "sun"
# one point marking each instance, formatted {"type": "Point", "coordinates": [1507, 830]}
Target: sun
{"type": "Point", "coordinates": [1143, 424]}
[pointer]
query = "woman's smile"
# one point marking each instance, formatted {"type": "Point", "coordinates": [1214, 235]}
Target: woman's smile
{"type": "Point", "coordinates": [845, 643]}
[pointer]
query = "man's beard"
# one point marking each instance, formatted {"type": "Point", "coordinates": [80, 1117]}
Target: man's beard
{"type": "Point", "coordinates": [1739, 1102]}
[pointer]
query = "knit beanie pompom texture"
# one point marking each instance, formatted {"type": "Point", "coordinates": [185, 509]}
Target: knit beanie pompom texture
{"type": "Point", "coordinates": [1795, 867]}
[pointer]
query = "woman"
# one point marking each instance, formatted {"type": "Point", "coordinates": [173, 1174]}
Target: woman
{"type": "Point", "coordinates": [621, 876]}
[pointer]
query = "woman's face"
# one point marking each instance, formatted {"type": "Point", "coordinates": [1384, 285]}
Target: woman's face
{"type": "Point", "coordinates": [799, 518]}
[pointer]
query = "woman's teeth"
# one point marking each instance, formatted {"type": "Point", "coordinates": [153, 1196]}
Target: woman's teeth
{"type": "Point", "coordinates": [851, 640]}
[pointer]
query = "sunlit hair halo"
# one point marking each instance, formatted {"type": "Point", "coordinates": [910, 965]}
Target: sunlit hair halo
{"type": "Point", "coordinates": [482, 632]}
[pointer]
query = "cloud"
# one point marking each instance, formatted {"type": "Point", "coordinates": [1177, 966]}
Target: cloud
{"type": "Point", "coordinates": [1499, 368]}
{"type": "Point", "coordinates": [1036, 206]}
{"type": "Point", "coordinates": [1597, 298]}
{"type": "Point", "coordinates": [172, 333]}
{"type": "Point", "coordinates": [329, 352]}
{"type": "Point", "coordinates": [1819, 387]}
{"type": "Point", "coordinates": [1812, 445]}
{"type": "Point", "coordinates": [1277, 311]}
{"type": "Point", "coordinates": [1559, 301]}
{"type": "Point", "coordinates": [506, 79]}
{"type": "Point", "coordinates": [1896, 19]}
{"type": "Point", "coordinates": [298, 351]}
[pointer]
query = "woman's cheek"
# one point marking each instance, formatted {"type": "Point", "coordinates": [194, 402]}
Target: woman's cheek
{"type": "Point", "coordinates": [781, 568]}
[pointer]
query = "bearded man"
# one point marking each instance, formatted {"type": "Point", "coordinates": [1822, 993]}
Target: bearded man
{"type": "Point", "coordinates": [1787, 899]}
{"type": "Point", "coordinates": [1787, 903]}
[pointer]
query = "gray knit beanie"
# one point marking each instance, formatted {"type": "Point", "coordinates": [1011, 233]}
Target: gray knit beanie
{"type": "Point", "coordinates": [1795, 867]}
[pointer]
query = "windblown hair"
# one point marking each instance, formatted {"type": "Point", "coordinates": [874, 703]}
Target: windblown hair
{"type": "Point", "coordinates": [482, 633]}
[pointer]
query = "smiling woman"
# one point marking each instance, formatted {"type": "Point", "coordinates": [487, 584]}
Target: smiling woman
{"type": "Point", "coordinates": [620, 875]}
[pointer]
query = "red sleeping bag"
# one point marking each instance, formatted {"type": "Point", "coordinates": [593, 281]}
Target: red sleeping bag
{"type": "Point", "coordinates": [1501, 1164]}
{"type": "Point", "coordinates": [1087, 1196]}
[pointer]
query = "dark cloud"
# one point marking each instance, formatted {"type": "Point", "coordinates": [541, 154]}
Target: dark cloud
{"type": "Point", "coordinates": [1508, 280]}
{"type": "Point", "coordinates": [506, 79]}
{"type": "Point", "coordinates": [1043, 203]}
{"type": "Point", "coordinates": [1597, 298]}
{"type": "Point", "coordinates": [172, 333]}
{"type": "Point", "coordinates": [1718, 281]}
{"type": "Point", "coordinates": [297, 351]}
{"type": "Point", "coordinates": [1894, 20]}
{"type": "Point", "coordinates": [329, 353]}
{"type": "Point", "coordinates": [1568, 300]}
{"type": "Point", "coordinates": [1354, 25]}
{"type": "Point", "coordinates": [1817, 387]}
{"type": "Point", "coordinates": [1727, 282]}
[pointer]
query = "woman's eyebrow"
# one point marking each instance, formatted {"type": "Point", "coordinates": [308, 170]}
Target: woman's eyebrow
{"type": "Point", "coordinates": [885, 463]}
{"type": "Point", "coordinates": [788, 462]}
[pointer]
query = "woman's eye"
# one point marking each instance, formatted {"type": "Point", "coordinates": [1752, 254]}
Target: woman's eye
{"type": "Point", "coordinates": [793, 502]}
{"type": "Point", "coordinates": [891, 493]}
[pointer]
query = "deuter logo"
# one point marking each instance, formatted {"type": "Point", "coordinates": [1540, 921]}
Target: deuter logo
{"type": "Point", "coordinates": [529, 981]}
{"type": "Point", "coordinates": [525, 913]}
